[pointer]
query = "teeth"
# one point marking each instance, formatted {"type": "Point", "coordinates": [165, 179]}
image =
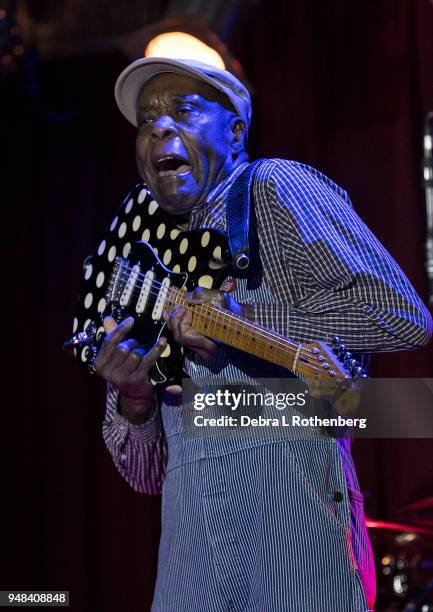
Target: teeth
{"type": "Point", "coordinates": [171, 165]}
{"type": "Point", "coordinates": [163, 161]}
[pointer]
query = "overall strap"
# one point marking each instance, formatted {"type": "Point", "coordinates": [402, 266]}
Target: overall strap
{"type": "Point", "coordinates": [238, 216]}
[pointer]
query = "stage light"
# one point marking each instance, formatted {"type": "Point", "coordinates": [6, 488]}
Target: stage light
{"type": "Point", "coordinates": [197, 29]}
{"type": "Point", "coordinates": [178, 45]}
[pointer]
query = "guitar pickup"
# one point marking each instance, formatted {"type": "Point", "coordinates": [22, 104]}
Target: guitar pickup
{"type": "Point", "coordinates": [145, 292]}
{"type": "Point", "coordinates": [160, 300]}
{"type": "Point", "coordinates": [125, 298]}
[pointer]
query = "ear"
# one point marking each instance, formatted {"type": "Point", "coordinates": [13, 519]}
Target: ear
{"type": "Point", "coordinates": [238, 135]}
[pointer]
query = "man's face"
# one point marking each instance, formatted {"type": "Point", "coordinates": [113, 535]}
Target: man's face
{"type": "Point", "coordinates": [184, 140]}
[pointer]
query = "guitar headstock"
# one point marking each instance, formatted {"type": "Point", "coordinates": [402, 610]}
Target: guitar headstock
{"type": "Point", "coordinates": [333, 362]}
{"type": "Point", "coordinates": [332, 371]}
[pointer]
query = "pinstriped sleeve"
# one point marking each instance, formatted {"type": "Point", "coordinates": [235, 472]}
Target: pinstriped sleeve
{"type": "Point", "coordinates": [339, 278]}
{"type": "Point", "coordinates": [138, 451]}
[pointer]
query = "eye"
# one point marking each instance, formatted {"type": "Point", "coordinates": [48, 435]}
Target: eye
{"type": "Point", "coordinates": [183, 110]}
{"type": "Point", "coordinates": [145, 120]}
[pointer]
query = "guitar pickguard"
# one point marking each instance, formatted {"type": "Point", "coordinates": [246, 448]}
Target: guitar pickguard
{"type": "Point", "coordinates": [186, 259]}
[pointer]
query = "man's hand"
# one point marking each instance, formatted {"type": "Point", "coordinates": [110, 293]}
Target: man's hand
{"type": "Point", "coordinates": [179, 321]}
{"type": "Point", "coordinates": [126, 366]}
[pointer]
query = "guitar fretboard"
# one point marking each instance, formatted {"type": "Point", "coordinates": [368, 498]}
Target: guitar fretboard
{"type": "Point", "coordinates": [243, 334]}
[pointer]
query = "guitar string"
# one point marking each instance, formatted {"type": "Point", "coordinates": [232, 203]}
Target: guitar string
{"type": "Point", "coordinates": [220, 315]}
{"type": "Point", "coordinates": [265, 346]}
{"type": "Point", "coordinates": [227, 313]}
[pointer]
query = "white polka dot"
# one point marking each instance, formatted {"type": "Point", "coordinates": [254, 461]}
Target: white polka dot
{"type": "Point", "coordinates": [122, 230]}
{"type": "Point", "coordinates": [88, 269]}
{"type": "Point", "coordinates": [176, 268]}
{"type": "Point", "coordinates": [183, 246]}
{"type": "Point", "coordinates": [88, 302]}
{"type": "Point", "coordinates": [167, 257]}
{"type": "Point", "coordinates": [99, 333]}
{"type": "Point", "coordinates": [217, 252]}
{"type": "Point", "coordinates": [152, 207]}
{"type": "Point", "coordinates": [114, 223]}
{"type": "Point", "coordinates": [136, 223]}
{"type": "Point", "coordinates": [86, 324]}
{"type": "Point", "coordinates": [205, 239]}
{"type": "Point", "coordinates": [112, 253]}
{"type": "Point", "coordinates": [166, 351]}
{"type": "Point", "coordinates": [84, 354]}
{"type": "Point", "coordinates": [160, 231]}
{"type": "Point", "coordinates": [126, 249]}
{"type": "Point", "coordinates": [146, 235]}
{"type": "Point", "coordinates": [192, 263]}
{"type": "Point", "coordinates": [216, 265]}
{"type": "Point", "coordinates": [101, 247]}
{"type": "Point", "coordinates": [156, 250]}
{"type": "Point", "coordinates": [205, 281]}
{"type": "Point", "coordinates": [75, 325]}
{"type": "Point", "coordinates": [102, 304]}
{"type": "Point", "coordinates": [100, 279]}
{"type": "Point", "coordinates": [129, 205]}
{"type": "Point", "coordinates": [174, 233]}
{"type": "Point", "coordinates": [141, 196]}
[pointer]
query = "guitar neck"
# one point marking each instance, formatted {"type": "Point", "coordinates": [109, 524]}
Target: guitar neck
{"type": "Point", "coordinates": [245, 335]}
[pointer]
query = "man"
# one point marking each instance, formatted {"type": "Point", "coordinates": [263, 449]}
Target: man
{"type": "Point", "coordinates": [254, 524]}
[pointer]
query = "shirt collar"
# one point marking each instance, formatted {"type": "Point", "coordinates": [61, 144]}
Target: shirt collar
{"type": "Point", "coordinates": [220, 191]}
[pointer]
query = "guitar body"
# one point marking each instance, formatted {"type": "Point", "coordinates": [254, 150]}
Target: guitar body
{"type": "Point", "coordinates": [177, 258]}
{"type": "Point", "coordinates": [143, 266]}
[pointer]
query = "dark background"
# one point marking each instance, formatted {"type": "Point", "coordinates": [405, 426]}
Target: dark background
{"type": "Point", "coordinates": [340, 85]}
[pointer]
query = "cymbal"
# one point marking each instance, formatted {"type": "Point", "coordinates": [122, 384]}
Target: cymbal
{"type": "Point", "coordinates": [403, 555]}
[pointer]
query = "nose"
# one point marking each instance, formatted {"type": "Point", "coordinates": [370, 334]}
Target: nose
{"type": "Point", "coordinates": [164, 128]}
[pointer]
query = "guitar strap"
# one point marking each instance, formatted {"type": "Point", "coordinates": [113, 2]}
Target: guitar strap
{"type": "Point", "coordinates": [238, 216]}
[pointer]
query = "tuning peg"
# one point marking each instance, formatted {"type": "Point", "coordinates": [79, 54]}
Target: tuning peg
{"type": "Point", "coordinates": [335, 344]}
{"type": "Point", "coordinates": [342, 351]}
{"type": "Point", "coordinates": [358, 372]}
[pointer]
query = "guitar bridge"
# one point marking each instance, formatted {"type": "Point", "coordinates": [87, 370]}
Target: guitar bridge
{"type": "Point", "coordinates": [116, 283]}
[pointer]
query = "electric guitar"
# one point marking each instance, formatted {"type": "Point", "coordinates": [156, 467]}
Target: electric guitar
{"type": "Point", "coordinates": [139, 278]}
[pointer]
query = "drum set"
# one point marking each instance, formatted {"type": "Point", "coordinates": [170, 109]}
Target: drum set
{"type": "Point", "coordinates": [404, 559]}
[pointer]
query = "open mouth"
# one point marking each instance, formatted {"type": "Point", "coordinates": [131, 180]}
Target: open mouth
{"type": "Point", "coordinates": [172, 166]}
